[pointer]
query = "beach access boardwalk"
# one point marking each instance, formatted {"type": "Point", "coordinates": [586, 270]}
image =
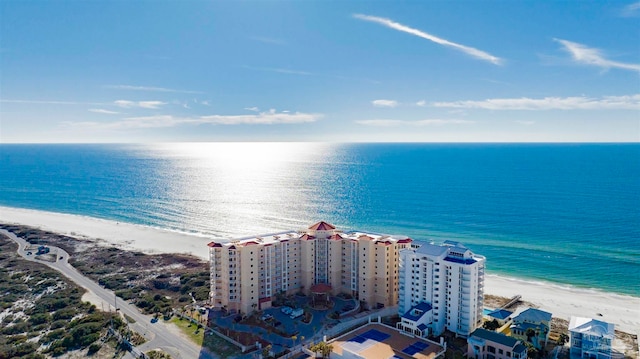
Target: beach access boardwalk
{"type": "Point", "coordinates": [158, 335]}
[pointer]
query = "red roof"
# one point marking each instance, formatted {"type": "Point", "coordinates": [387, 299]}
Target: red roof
{"type": "Point", "coordinates": [364, 236]}
{"type": "Point", "coordinates": [322, 226]}
{"type": "Point", "coordinates": [336, 236]}
{"type": "Point", "coordinates": [406, 240]}
{"type": "Point", "coordinates": [250, 243]}
{"type": "Point", "coordinates": [214, 244]}
{"type": "Point", "coordinates": [320, 288]}
{"type": "Point", "coordinates": [306, 237]}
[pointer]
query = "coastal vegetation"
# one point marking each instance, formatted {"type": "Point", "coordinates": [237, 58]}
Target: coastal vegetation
{"type": "Point", "coordinates": [154, 283]}
{"type": "Point", "coordinates": [43, 313]}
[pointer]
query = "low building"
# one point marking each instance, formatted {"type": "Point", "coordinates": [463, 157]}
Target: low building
{"type": "Point", "coordinates": [486, 344]}
{"type": "Point", "coordinates": [378, 341]}
{"type": "Point", "coordinates": [590, 338]}
{"type": "Point", "coordinates": [532, 325]}
{"type": "Point", "coordinates": [502, 316]}
{"type": "Point", "coordinates": [417, 319]}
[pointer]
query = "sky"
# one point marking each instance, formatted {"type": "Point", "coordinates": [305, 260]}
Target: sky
{"type": "Point", "coordinates": [335, 71]}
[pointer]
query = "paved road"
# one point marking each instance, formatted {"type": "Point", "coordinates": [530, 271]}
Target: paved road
{"type": "Point", "coordinates": [158, 335]}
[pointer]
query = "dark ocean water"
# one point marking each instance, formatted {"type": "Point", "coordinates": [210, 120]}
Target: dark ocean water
{"type": "Point", "coordinates": [564, 213]}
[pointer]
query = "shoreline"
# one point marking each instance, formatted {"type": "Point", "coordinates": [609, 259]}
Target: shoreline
{"type": "Point", "coordinates": [562, 300]}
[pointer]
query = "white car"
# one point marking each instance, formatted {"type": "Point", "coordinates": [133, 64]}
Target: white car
{"type": "Point", "coordinates": [286, 310]}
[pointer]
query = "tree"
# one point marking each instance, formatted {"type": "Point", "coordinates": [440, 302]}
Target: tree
{"type": "Point", "coordinates": [492, 325]}
{"type": "Point", "coordinates": [323, 348]}
{"type": "Point", "coordinates": [532, 352]}
{"type": "Point", "coordinates": [563, 339]}
{"type": "Point", "coordinates": [530, 333]}
{"type": "Point", "coordinates": [266, 351]}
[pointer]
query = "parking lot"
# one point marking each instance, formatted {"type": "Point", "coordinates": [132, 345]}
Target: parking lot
{"type": "Point", "coordinates": [282, 322]}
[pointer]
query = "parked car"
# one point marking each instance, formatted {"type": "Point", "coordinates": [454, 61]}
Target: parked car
{"type": "Point", "coordinates": [296, 313]}
{"type": "Point", "coordinates": [286, 310]}
{"type": "Point", "coordinates": [266, 317]}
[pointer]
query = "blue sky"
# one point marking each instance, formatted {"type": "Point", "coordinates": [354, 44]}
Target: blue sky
{"type": "Point", "coordinates": [445, 71]}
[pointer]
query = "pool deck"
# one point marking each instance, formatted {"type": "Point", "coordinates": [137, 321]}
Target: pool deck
{"type": "Point", "coordinates": [394, 345]}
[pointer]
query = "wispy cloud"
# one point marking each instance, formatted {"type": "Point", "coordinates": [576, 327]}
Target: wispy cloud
{"type": "Point", "coordinates": [150, 89]}
{"type": "Point", "coordinates": [271, 117]}
{"type": "Point", "coordinates": [427, 122]}
{"type": "Point", "coordinates": [103, 111]}
{"type": "Point", "coordinates": [630, 102]}
{"type": "Point", "coordinates": [268, 40]}
{"type": "Point", "coordinates": [384, 103]}
{"type": "Point", "coordinates": [479, 54]}
{"type": "Point", "coordinates": [594, 57]}
{"type": "Point", "coordinates": [631, 10]}
{"type": "Point", "coordinates": [253, 109]}
{"type": "Point", "coordinates": [421, 103]}
{"type": "Point", "coordinates": [139, 104]}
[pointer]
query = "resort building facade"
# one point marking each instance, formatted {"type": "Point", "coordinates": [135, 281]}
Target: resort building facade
{"type": "Point", "coordinates": [247, 274]}
{"type": "Point", "coordinates": [590, 338]}
{"type": "Point", "coordinates": [440, 287]}
{"type": "Point", "coordinates": [486, 344]}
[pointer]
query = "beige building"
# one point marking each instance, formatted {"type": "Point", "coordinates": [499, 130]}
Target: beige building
{"type": "Point", "coordinates": [248, 273]}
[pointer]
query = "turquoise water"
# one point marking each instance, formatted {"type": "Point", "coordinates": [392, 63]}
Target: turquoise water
{"type": "Point", "coordinates": [564, 213]}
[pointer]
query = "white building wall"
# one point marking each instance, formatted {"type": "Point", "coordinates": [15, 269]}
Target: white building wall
{"type": "Point", "coordinates": [454, 289]}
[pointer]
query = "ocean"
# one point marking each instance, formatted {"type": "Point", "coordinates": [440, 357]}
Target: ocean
{"type": "Point", "coordinates": [568, 214]}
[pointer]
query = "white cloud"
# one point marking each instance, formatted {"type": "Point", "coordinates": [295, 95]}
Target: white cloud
{"type": "Point", "coordinates": [421, 103]}
{"type": "Point", "coordinates": [631, 10]}
{"type": "Point", "coordinates": [479, 54]}
{"type": "Point", "coordinates": [263, 118]}
{"type": "Point", "coordinates": [140, 104]}
{"type": "Point", "coordinates": [149, 88]}
{"type": "Point", "coordinates": [253, 109]}
{"type": "Point", "coordinates": [272, 117]}
{"type": "Point", "coordinates": [384, 103]}
{"type": "Point", "coordinates": [427, 122]}
{"type": "Point", "coordinates": [630, 102]}
{"type": "Point", "coordinates": [591, 56]}
{"type": "Point", "coordinates": [101, 110]}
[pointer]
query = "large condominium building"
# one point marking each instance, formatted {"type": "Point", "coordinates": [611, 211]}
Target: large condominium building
{"type": "Point", "coordinates": [440, 287]}
{"type": "Point", "coordinates": [248, 273]}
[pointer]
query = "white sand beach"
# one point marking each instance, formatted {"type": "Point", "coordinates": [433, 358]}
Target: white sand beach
{"type": "Point", "coordinates": [563, 302]}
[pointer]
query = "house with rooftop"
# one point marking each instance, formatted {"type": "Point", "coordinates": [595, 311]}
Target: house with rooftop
{"type": "Point", "coordinates": [590, 338]}
{"type": "Point", "coordinates": [502, 316]}
{"type": "Point", "coordinates": [532, 325]}
{"type": "Point", "coordinates": [248, 273]}
{"type": "Point", "coordinates": [417, 319]}
{"type": "Point", "coordinates": [486, 344]}
{"type": "Point", "coordinates": [448, 279]}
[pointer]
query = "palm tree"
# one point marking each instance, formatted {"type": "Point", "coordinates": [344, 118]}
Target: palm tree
{"type": "Point", "coordinates": [266, 350]}
{"type": "Point", "coordinates": [322, 348]}
{"type": "Point", "coordinates": [530, 333]}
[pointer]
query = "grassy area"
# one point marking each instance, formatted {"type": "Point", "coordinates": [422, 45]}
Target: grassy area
{"type": "Point", "coordinates": [212, 342]}
{"type": "Point", "coordinates": [196, 335]}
